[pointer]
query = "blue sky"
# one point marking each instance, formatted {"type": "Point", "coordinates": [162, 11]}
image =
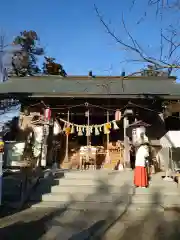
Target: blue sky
{"type": "Point", "coordinates": [72, 33]}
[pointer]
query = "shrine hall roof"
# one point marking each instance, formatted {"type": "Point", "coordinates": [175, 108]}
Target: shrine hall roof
{"type": "Point", "coordinates": [73, 86]}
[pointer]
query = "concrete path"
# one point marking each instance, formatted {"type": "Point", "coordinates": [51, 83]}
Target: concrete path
{"type": "Point", "coordinates": [50, 224]}
{"type": "Point", "coordinates": [146, 224]}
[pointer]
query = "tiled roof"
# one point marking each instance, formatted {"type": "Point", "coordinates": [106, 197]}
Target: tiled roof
{"type": "Point", "coordinates": [90, 86]}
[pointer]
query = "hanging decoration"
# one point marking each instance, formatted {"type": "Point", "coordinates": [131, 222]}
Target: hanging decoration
{"type": "Point", "coordinates": [83, 129]}
{"type": "Point", "coordinates": [107, 127]}
{"type": "Point", "coordinates": [88, 130]}
{"type": "Point", "coordinates": [96, 130]}
{"type": "Point", "coordinates": [72, 129]}
{"type": "Point", "coordinates": [80, 133]}
{"type": "Point", "coordinates": [161, 115]}
{"type": "Point", "coordinates": [68, 130]}
{"type": "Point", "coordinates": [1, 145]}
{"type": "Point", "coordinates": [64, 127]}
{"type": "Point", "coordinates": [115, 126]}
{"type": "Point", "coordinates": [57, 128]}
{"type": "Point", "coordinates": [118, 115]}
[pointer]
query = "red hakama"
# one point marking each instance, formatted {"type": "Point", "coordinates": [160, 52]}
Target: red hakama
{"type": "Point", "coordinates": [140, 177]}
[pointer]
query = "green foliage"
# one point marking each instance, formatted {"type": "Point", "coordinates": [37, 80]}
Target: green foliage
{"type": "Point", "coordinates": [24, 60]}
{"type": "Point", "coordinates": [52, 68]}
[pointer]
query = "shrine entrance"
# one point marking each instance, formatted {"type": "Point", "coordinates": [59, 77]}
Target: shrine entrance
{"type": "Point", "coordinates": [94, 139]}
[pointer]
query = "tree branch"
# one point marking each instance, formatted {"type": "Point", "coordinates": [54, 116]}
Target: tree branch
{"type": "Point", "coordinates": [135, 47]}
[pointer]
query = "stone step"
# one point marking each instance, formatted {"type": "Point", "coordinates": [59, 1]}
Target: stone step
{"type": "Point", "coordinates": [154, 198]}
{"type": "Point", "coordinates": [89, 206]}
{"type": "Point", "coordinates": [78, 189]}
{"type": "Point", "coordinates": [91, 182]}
{"type": "Point", "coordinates": [81, 186]}
{"type": "Point", "coordinates": [108, 190]}
{"type": "Point", "coordinates": [164, 185]}
{"type": "Point", "coordinates": [100, 182]}
{"type": "Point", "coordinates": [158, 188]}
{"type": "Point", "coordinates": [81, 206]}
{"type": "Point", "coordinates": [108, 198]}
{"type": "Point", "coordinates": [96, 197]}
{"type": "Point", "coordinates": [88, 174]}
{"type": "Point", "coordinates": [119, 177]}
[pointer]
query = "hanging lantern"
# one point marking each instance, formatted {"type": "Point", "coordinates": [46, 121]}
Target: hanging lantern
{"type": "Point", "coordinates": [86, 113]}
{"type": "Point", "coordinates": [47, 114]}
{"type": "Point", "coordinates": [118, 115]}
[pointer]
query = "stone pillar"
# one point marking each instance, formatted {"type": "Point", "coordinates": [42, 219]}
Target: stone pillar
{"type": "Point", "coordinates": [44, 145]}
{"type": "Point", "coordinates": [126, 144]}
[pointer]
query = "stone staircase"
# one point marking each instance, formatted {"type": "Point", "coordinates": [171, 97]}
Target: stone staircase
{"type": "Point", "coordinates": [102, 190]}
{"type": "Point", "coordinates": [85, 204]}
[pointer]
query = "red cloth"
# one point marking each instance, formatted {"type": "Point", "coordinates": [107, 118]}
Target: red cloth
{"type": "Point", "coordinates": [140, 177]}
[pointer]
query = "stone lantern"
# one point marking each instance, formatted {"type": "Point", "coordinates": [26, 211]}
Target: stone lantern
{"type": "Point", "coordinates": [137, 131]}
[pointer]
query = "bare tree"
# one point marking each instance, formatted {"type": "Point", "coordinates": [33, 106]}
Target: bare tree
{"type": "Point", "coordinates": [6, 52]}
{"type": "Point", "coordinates": [3, 45]}
{"type": "Point", "coordinates": [169, 44]}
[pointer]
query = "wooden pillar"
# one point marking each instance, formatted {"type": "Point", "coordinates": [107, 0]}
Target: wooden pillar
{"type": "Point", "coordinates": [88, 134]}
{"type": "Point", "coordinates": [67, 142]}
{"type": "Point", "coordinates": [107, 133]}
{"type": "Point", "coordinates": [107, 142]}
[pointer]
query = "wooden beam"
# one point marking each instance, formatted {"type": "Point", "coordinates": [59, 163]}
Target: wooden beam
{"type": "Point", "coordinates": [174, 107]}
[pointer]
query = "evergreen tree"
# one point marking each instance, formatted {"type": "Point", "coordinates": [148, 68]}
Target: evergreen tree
{"type": "Point", "coordinates": [24, 60]}
{"type": "Point", "coordinates": [53, 68]}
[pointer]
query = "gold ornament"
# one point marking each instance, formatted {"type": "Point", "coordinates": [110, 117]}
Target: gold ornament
{"type": "Point", "coordinates": [106, 130]}
{"type": "Point", "coordinates": [108, 125]}
{"type": "Point", "coordinates": [68, 130]}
